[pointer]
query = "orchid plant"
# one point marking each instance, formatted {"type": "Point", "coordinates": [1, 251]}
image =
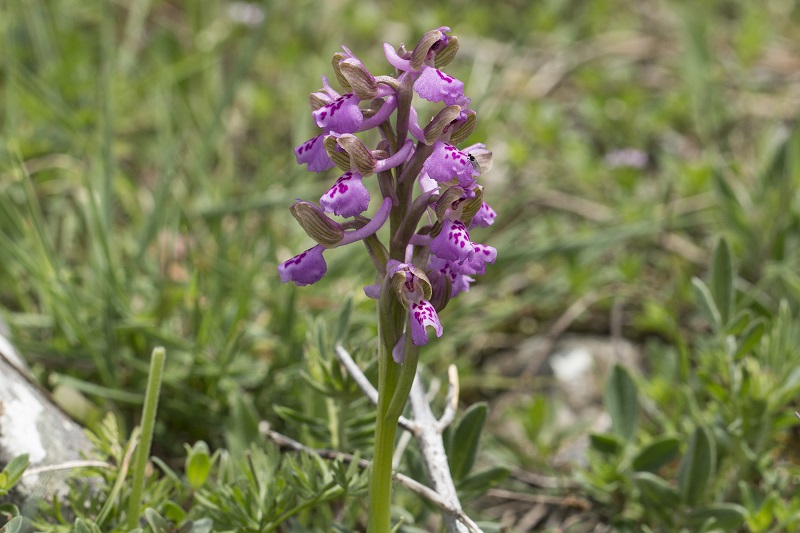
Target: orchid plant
{"type": "Point", "coordinates": [430, 199]}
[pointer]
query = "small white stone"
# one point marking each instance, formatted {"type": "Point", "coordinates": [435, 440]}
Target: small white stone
{"type": "Point", "coordinates": [571, 365]}
{"type": "Point", "coordinates": [18, 425]}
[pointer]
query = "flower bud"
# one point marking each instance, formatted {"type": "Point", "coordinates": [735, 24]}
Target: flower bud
{"type": "Point", "coordinates": [466, 127]}
{"type": "Point", "coordinates": [441, 121]}
{"type": "Point", "coordinates": [447, 53]}
{"type": "Point", "coordinates": [361, 157]}
{"type": "Point", "coordinates": [338, 57]}
{"type": "Point", "coordinates": [316, 224]}
{"type": "Point", "coordinates": [335, 152]}
{"type": "Point", "coordinates": [442, 289]}
{"type": "Point", "coordinates": [420, 53]}
{"type": "Point", "coordinates": [472, 206]}
{"type": "Point", "coordinates": [318, 99]}
{"type": "Point", "coordinates": [449, 198]}
{"type": "Point", "coordinates": [361, 81]}
{"type": "Point", "coordinates": [410, 284]}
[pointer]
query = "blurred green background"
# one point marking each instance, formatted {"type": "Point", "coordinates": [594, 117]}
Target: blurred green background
{"type": "Point", "coordinates": [146, 169]}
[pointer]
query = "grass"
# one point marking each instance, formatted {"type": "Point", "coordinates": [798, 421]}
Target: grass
{"type": "Point", "coordinates": [146, 169]}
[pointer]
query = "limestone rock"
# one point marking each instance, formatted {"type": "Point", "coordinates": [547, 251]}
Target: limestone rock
{"type": "Point", "coordinates": [31, 423]}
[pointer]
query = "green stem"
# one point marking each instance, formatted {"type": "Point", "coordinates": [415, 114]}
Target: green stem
{"type": "Point", "coordinates": [394, 383]}
{"type": "Point", "coordinates": [148, 422]}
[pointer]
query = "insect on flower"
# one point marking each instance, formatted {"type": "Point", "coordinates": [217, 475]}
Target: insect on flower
{"type": "Point", "coordinates": [475, 165]}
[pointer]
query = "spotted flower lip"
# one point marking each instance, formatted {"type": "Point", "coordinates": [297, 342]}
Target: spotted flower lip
{"type": "Point", "coordinates": [304, 269]}
{"type": "Point", "coordinates": [459, 281]}
{"type": "Point", "coordinates": [412, 288]}
{"type": "Point", "coordinates": [476, 264]}
{"type": "Point", "coordinates": [484, 217]}
{"type": "Point", "coordinates": [348, 197]}
{"type": "Point", "coordinates": [312, 153]}
{"type": "Point", "coordinates": [453, 242]}
{"type": "Point", "coordinates": [422, 315]}
{"type": "Point", "coordinates": [447, 162]}
{"type": "Point", "coordinates": [436, 86]}
{"type": "Point", "coordinates": [342, 115]}
{"type": "Point", "coordinates": [431, 84]}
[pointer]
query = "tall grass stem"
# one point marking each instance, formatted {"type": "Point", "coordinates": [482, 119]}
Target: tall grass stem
{"type": "Point", "coordinates": [148, 422]}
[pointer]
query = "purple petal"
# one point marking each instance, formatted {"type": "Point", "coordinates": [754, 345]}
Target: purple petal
{"type": "Point", "coordinates": [342, 115]}
{"type": "Point", "coordinates": [484, 217]}
{"type": "Point", "coordinates": [348, 197]}
{"type": "Point", "coordinates": [372, 227]}
{"type": "Point", "coordinates": [477, 263]}
{"type": "Point", "coordinates": [426, 183]}
{"type": "Point", "coordinates": [436, 86]}
{"type": "Point", "coordinates": [312, 152]}
{"type": "Point", "coordinates": [304, 269]}
{"type": "Point", "coordinates": [413, 126]}
{"type": "Point", "coordinates": [400, 157]}
{"type": "Point", "coordinates": [453, 242]}
{"type": "Point", "coordinates": [383, 113]}
{"type": "Point", "coordinates": [395, 60]}
{"type": "Point", "coordinates": [423, 314]}
{"type": "Point", "coordinates": [446, 161]}
{"type": "Point", "coordinates": [399, 350]}
{"type": "Point", "coordinates": [373, 291]}
{"type": "Point", "coordinates": [459, 282]}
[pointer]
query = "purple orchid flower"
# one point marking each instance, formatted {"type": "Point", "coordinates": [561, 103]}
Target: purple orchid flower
{"type": "Point", "coordinates": [348, 196]}
{"type": "Point", "coordinates": [451, 258]}
{"type": "Point", "coordinates": [304, 269]}
{"type": "Point", "coordinates": [447, 162]}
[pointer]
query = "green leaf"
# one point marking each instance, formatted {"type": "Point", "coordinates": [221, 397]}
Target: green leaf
{"type": "Point", "coordinates": [658, 496]}
{"type": "Point", "coordinates": [465, 439]}
{"type": "Point", "coordinates": [482, 481]}
{"type": "Point", "coordinates": [657, 454]}
{"type": "Point", "coordinates": [157, 522]}
{"type": "Point", "coordinates": [621, 402]}
{"type": "Point", "coordinates": [343, 324]}
{"type": "Point", "coordinates": [198, 465]}
{"type": "Point", "coordinates": [173, 512]}
{"type": "Point", "coordinates": [722, 280]}
{"type": "Point", "coordinates": [14, 470]}
{"type": "Point", "coordinates": [606, 443]}
{"type": "Point", "coordinates": [705, 298]}
{"type": "Point", "coordinates": [697, 467]}
{"type": "Point", "coordinates": [16, 525]}
{"type": "Point", "coordinates": [720, 516]}
{"type": "Point", "coordinates": [750, 337]}
{"type": "Point", "coordinates": [82, 526]}
{"type": "Point", "coordinates": [655, 489]}
{"type": "Point", "coordinates": [204, 525]}
{"type": "Point", "coordinates": [739, 321]}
